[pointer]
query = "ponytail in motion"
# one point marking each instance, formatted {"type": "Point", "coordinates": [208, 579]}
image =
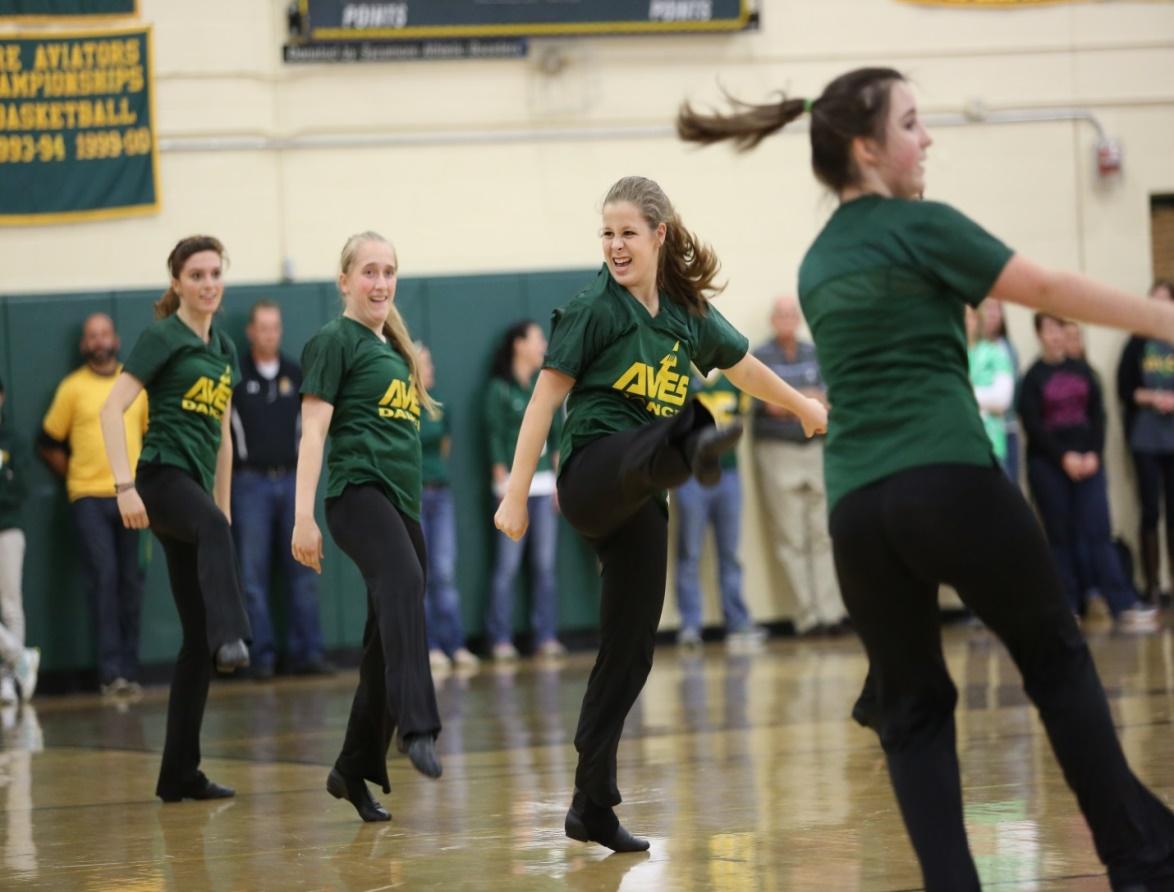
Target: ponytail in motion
{"type": "Point", "coordinates": [854, 105]}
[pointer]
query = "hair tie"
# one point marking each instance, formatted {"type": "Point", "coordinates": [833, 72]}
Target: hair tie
{"type": "Point", "coordinates": [808, 105]}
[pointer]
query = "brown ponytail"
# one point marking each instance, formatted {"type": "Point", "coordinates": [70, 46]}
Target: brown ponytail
{"type": "Point", "coordinates": [168, 304]}
{"type": "Point", "coordinates": [747, 126]}
{"type": "Point", "coordinates": [854, 105]}
{"type": "Point", "coordinates": [687, 266]}
{"type": "Point", "coordinates": [394, 329]}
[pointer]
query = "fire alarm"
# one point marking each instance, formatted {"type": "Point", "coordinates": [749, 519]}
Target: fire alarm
{"type": "Point", "coordinates": [1108, 156]}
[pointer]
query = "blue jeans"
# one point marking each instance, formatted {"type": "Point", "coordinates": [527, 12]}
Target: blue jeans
{"type": "Point", "coordinates": [697, 508]}
{"type": "Point", "coordinates": [442, 606]}
{"type": "Point", "coordinates": [541, 535]}
{"type": "Point", "coordinates": [110, 553]}
{"type": "Point", "coordinates": [262, 520]}
{"type": "Point", "coordinates": [1076, 516]}
{"type": "Point", "coordinates": [1011, 461]}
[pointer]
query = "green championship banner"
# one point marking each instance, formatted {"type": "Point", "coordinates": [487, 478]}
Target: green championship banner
{"type": "Point", "coordinates": [77, 138]}
{"type": "Point", "coordinates": [334, 20]}
{"type": "Point", "coordinates": [55, 10]}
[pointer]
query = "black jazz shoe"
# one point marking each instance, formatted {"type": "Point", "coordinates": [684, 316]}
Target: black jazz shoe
{"type": "Point", "coordinates": [200, 788]}
{"type": "Point", "coordinates": [355, 791]}
{"type": "Point", "coordinates": [704, 450]}
{"type": "Point", "coordinates": [588, 822]}
{"type": "Point", "coordinates": [232, 656]}
{"type": "Point", "coordinates": [421, 749]}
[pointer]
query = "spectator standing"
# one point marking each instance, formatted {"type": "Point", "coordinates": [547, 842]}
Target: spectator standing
{"type": "Point", "coordinates": [994, 328]}
{"type": "Point", "coordinates": [993, 378]}
{"type": "Point", "coordinates": [516, 364]}
{"type": "Point", "coordinates": [18, 664]}
{"type": "Point", "coordinates": [442, 603]}
{"type": "Point", "coordinates": [71, 445]}
{"type": "Point", "coordinates": [790, 476]}
{"type": "Point", "coordinates": [265, 430]}
{"type": "Point", "coordinates": [1145, 386]}
{"type": "Point", "coordinates": [1063, 414]}
{"type": "Point", "coordinates": [719, 506]}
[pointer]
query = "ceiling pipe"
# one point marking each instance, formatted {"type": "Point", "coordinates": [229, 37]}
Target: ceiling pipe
{"type": "Point", "coordinates": [974, 114]}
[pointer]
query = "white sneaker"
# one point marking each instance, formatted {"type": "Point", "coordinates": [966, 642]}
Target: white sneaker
{"type": "Point", "coordinates": [552, 649]}
{"type": "Point", "coordinates": [7, 689]}
{"type": "Point", "coordinates": [689, 639]}
{"type": "Point", "coordinates": [438, 660]}
{"type": "Point", "coordinates": [1138, 619]}
{"type": "Point", "coordinates": [747, 641]}
{"type": "Point", "coordinates": [1096, 607]}
{"type": "Point", "coordinates": [505, 652]}
{"type": "Point", "coordinates": [26, 672]}
{"type": "Point", "coordinates": [465, 658]}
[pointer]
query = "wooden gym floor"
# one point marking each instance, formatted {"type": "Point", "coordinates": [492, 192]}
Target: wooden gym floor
{"type": "Point", "coordinates": [743, 770]}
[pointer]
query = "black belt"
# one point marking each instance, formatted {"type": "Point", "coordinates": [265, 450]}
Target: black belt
{"type": "Point", "coordinates": [271, 471]}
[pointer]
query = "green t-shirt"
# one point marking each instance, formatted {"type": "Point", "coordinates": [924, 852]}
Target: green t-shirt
{"type": "Point", "coordinates": [883, 288]}
{"type": "Point", "coordinates": [989, 360]}
{"type": "Point", "coordinates": [189, 384]}
{"type": "Point", "coordinates": [629, 367]}
{"type": "Point", "coordinates": [726, 403]}
{"type": "Point", "coordinates": [375, 429]}
{"type": "Point", "coordinates": [433, 464]}
{"type": "Point", "coordinates": [505, 406]}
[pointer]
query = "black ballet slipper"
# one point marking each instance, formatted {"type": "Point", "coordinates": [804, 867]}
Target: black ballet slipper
{"type": "Point", "coordinates": [232, 656]}
{"type": "Point", "coordinates": [200, 788]}
{"type": "Point", "coordinates": [355, 791]}
{"type": "Point", "coordinates": [588, 822]}
{"type": "Point", "coordinates": [421, 750]}
{"type": "Point", "coordinates": [704, 449]}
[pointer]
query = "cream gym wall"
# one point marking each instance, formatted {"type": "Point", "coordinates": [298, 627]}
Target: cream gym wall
{"type": "Point", "coordinates": [478, 183]}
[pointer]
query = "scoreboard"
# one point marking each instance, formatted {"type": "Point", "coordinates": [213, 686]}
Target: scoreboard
{"type": "Point", "coordinates": [414, 20]}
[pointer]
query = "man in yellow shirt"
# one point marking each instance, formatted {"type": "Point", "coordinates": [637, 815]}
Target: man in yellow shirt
{"type": "Point", "coordinates": [71, 445]}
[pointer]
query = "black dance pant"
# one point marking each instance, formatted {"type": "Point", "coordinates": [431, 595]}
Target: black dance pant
{"type": "Point", "coordinates": [395, 679]}
{"type": "Point", "coordinates": [201, 564]}
{"type": "Point", "coordinates": [894, 542]}
{"type": "Point", "coordinates": [609, 493]}
{"type": "Point", "coordinates": [1155, 480]}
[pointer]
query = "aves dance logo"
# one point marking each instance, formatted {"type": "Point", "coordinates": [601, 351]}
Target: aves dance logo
{"type": "Point", "coordinates": [662, 389]}
{"type": "Point", "coordinates": [401, 402]}
{"type": "Point", "coordinates": [208, 397]}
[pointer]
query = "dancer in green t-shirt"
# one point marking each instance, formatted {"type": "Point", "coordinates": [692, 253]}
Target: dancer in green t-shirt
{"type": "Point", "coordinates": [620, 353]}
{"type": "Point", "coordinates": [361, 388]}
{"type": "Point", "coordinates": [182, 490]}
{"type": "Point", "coordinates": [915, 494]}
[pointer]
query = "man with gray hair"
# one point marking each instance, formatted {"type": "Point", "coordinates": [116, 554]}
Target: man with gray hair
{"type": "Point", "coordinates": [790, 474]}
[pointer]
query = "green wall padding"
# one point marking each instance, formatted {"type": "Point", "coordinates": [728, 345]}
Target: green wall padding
{"type": "Point", "coordinates": [460, 318]}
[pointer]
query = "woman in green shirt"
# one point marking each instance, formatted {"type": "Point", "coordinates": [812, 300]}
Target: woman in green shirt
{"type": "Point", "coordinates": [361, 387]}
{"type": "Point", "coordinates": [515, 367]}
{"type": "Point", "coordinates": [620, 355]}
{"type": "Point", "coordinates": [915, 494]}
{"type": "Point", "coordinates": [182, 490]}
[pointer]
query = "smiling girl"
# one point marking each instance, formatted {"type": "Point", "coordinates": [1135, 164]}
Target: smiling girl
{"type": "Point", "coordinates": [915, 494]}
{"type": "Point", "coordinates": [620, 354]}
{"type": "Point", "coordinates": [182, 490]}
{"type": "Point", "coordinates": [362, 388]}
